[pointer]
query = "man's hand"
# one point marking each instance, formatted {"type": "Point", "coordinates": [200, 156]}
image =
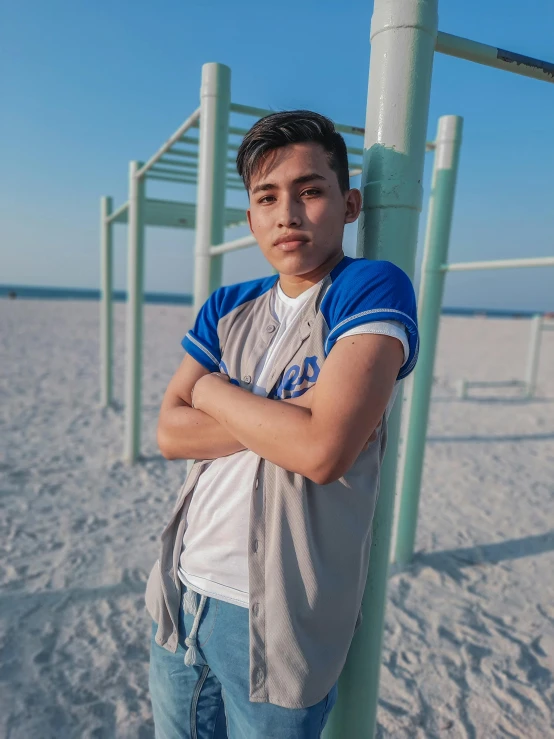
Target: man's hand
{"type": "Point", "coordinates": [185, 432]}
{"type": "Point", "coordinates": [204, 385]}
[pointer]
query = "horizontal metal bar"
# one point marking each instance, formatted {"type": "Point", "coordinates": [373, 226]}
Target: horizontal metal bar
{"type": "Point", "coordinates": [491, 56]}
{"type": "Point", "coordinates": [355, 151]}
{"type": "Point", "coordinates": [186, 165]}
{"type": "Point", "coordinates": [116, 213]}
{"type": "Point", "coordinates": [188, 178]}
{"type": "Point", "coordinates": [184, 153]}
{"type": "Point", "coordinates": [180, 163]}
{"type": "Point", "coordinates": [355, 130]}
{"type": "Point", "coordinates": [238, 131]}
{"type": "Point", "coordinates": [495, 383]}
{"type": "Point", "coordinates": [355, 171]}
{"type": "Point", "coordinates": [175, 172]}
{"type": "Point", "coordinates": [194, 140]}
{"type": "Point", "coordinates": [189, 123]}
{"type": "Point", "coordinates": [175, 178]}
{"type": "Point", "coordinates": [194, 155]}
{"type": "Point", "coordinates": [250, 110]}
{"type": "Point", "coordinates": [499, 264]}
{"type": "Point", "coordinates": [233, 245]}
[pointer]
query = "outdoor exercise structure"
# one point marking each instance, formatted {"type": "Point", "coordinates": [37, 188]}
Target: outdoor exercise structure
{"type": "Point", "coordinates": [404, 38]}
{"type": "Point", "coordinates": [433, 273]}
{"type": "Point", "coordinates": [529, 384]}
{"type": "Point", "coordinates": [206, 160]}
{"type": "Point", "coordinates": [435, 267]}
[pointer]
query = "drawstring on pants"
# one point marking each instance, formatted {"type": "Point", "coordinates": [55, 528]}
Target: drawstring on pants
{"type": "Point", "coordinates": [191, 641]}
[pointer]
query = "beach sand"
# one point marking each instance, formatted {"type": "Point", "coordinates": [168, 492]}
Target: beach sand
{"type": "Point", "coordinates": [469, 641]}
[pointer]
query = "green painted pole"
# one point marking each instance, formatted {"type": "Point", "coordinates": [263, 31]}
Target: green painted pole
{"type": "Point", "coordinates": [533, 356]}
{"type": "Point", "coordinates": [135, 288]}
{"type": "Point", "coordinates": [215, 102]}
{"type": "Point", "coordinates": [403, 38]}
{"type": "Point", "coordinates": [441, 207]}
{"type": "Point", "coordinates": [106, 302]}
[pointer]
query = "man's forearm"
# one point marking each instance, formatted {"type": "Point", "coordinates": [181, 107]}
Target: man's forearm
{"type": "Point", "coordinates": [189, 433]}
{"type": "Point", "coordinates": [275, 430]}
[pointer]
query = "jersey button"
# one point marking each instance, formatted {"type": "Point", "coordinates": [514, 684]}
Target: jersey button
{"type": "Point", "coordinates": [247, 379]}
{"type": "Point", "coordinates": [270, 329]}
{"type": "Point", "coordinates": [255, 609]}
{"type": "Point", "coordinates": [255, 544]}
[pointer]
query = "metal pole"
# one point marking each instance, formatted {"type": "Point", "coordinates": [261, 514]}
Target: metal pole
{"type": "Point", "coordinates": [533, 356]}
{"type": "Point", "coordinates": [106, 304]}
{"type": "Point", "coordinates": [241, 243]}
{"type": "Point", "coordinates": [441, 207]}
{"type": "Point", "coordinates": [215, 101]}
{"type": "Point", "coordinates": [499, 264]}
{"type": "Point", "coordinates": [135, 285]}
{"type": "Point", "coordinates": [403, 38]}
{"type": "Point", "coordinates": [492, 56]}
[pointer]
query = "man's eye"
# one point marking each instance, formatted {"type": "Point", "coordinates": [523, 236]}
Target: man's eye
{"type": "Point", "coordinates": [311, 191]}
{"type": "Point", "coordinates": [267, 199]}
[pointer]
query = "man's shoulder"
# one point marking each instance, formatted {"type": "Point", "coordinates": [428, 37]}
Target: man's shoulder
{"type": "Point", "coordinates": [226, 299]}
{"type": "Point", "coordinates": [365, 283]}
{"type": "Point", "coordinates": [352, 271]}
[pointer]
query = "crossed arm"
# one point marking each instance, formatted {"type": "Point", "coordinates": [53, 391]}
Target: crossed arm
{"type": "Point", "coordinates": [319, 435]}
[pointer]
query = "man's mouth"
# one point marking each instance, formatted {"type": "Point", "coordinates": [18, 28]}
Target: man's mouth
{"type": "Point", "coordinates": [290, 242]}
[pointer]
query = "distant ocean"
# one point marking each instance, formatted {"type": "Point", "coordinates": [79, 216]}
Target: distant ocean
{"type": "Point", "coordinates": [78, 293]}
{"type": "Point", "coordinates": [69, 293]}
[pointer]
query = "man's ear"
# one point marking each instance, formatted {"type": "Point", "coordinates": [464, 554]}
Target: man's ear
{"type": "Point", "coordinates": [353, 202]}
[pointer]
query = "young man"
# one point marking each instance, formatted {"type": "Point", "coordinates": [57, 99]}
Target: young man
{"type": "Point", "coordinates": [282, 399]}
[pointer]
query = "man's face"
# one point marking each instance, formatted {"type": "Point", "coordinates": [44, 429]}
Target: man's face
{"type": "Point", "coordinates": [297, 211]}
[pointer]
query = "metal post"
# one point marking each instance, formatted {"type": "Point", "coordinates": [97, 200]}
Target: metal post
{"type": "Point", "coordinates": [135, 284]}
{"type": "Point", "coordinates": [441, 207]}
{"type": "Point", "coordinates": [403, 38]}
{"type": "Point", "coordinates": [215, 101]}
{"type": "Point", "coordinates": [533, 356]}
{"type": "Point", "coordinates": [106, 304]}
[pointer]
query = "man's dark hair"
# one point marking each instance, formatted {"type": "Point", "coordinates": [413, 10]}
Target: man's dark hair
{"type": "Point", "coordinates": [292, 127]}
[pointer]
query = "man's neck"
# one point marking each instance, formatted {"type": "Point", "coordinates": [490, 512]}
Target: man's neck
{"type": "Point", "coordinates": [295, 285]}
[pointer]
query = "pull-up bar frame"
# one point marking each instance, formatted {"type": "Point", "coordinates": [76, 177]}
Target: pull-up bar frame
{"type": "Point", "coordinates": [404, 36]}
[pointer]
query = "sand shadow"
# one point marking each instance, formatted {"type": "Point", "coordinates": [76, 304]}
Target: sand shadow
{"type": "Point", "coordinates": [492, 400]}
{"type": "Point", "coordinates": [455, 559]}
{"type": "Point", "coordinates": [481, 439]}
{"type": "Point", "coordinates": [67, 596]}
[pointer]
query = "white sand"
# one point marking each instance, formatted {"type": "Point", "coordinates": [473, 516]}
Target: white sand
{"type": "Point", "coordinates": [469, 640]}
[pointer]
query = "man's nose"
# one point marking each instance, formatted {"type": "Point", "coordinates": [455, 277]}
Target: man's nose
{"type": "Point", "coordinates": [289, 214]}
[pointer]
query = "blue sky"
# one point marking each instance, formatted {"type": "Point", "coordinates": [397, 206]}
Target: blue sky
{"type": "Point", "coordinates": [86, 87]}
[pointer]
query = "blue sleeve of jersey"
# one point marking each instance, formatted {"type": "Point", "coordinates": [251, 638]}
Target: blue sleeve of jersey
{"type": "Point", "coordinates": [202, 341]}
{"type": "Point", "coordinates": [371, 291]}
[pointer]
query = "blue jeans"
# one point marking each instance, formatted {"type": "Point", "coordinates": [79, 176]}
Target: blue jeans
{"type": "Point", "coordinates": [209, 700]}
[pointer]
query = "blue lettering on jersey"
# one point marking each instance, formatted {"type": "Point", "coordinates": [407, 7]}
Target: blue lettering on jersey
{"type": "Point", "coordinates": [296, 379]}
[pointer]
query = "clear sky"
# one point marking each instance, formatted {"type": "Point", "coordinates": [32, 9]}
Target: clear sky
{"type": "Point", "coordinates": [88, 86]}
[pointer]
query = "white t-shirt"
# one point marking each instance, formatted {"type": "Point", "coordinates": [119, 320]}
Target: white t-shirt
{"type": "Point", "coordinates": [214, 557]}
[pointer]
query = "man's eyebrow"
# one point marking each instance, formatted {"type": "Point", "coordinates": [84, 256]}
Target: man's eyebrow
{"type": "Point", "coordinates": [308, 178]}
{"type": "Point", "coordinates": [298, 181]}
